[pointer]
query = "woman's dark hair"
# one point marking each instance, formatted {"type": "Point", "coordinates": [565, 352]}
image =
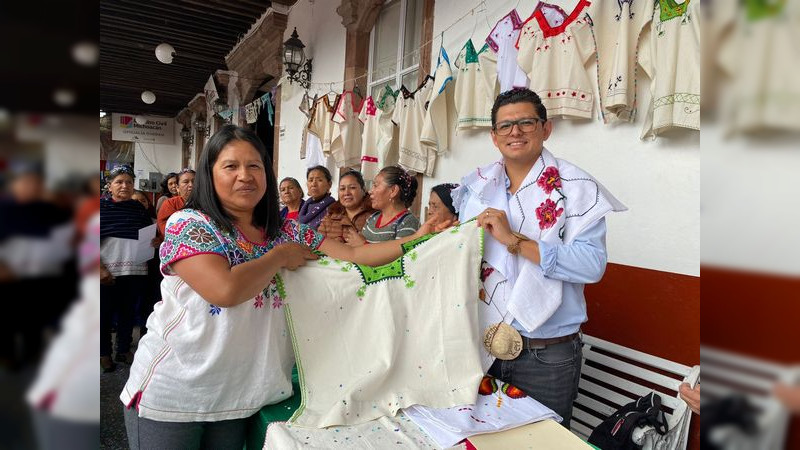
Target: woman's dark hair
{"type": "Point", "coordinates": [396, 176]}
{"type": "Point", "coordinates": [357, 175]}
{"type": "Point", "coordinates": [443, 192]}
{"type": "Point", "coordinates": [165, 184]}
{"type": "Point", "coordinates": [204, 196]}
{"type": "Point", "coordinates": [294, 182]}
{"type": "Point", "coordinates": [518, 95]}
{"type": "Point", "coordinates": [324, 171]}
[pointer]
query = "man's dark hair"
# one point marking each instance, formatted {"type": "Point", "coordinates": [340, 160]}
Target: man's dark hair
{"type": "Point", "coordinates": [204, 197]}
{"type": "Point", "coordinates": [518, 95]}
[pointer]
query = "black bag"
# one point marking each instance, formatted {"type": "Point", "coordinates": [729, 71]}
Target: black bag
{"type": "Point", "coordinates": [615, 432]}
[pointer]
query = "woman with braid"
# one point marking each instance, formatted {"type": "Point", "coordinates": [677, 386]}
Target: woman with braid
{"type": "Point", "coordinates": [393, 191]}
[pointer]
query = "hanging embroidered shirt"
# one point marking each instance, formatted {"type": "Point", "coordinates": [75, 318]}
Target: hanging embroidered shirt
{"type": "Point", "coordinates": [620, 24]}
{"type": "Point", "coordinates": [435, 126]}
{"type": "Point", "coordinates": [409, 113]}
{"type": "Point", "coordinates": [421, 320]}
{"type": "Point", "coordinates": [502, 41]}
{"type": "Point", "coordinates": [379, 138]}
{"type": "Point", "coordinates": [305, 107]}
{"type": "Point", "coordinates": [761, 56]}
{"type": "Point", "coordinates": [671, 58]}
{"type": "Point", "coordinates": [322, 122]}
{"type": "Point", "coordinates": [193, 364]}
{"type": "Point", "coordinates": [553, 50]}
{"type": "Point", "coordinates": [473, 98]}
{"type": "Point", "coordinates": [346, 143]}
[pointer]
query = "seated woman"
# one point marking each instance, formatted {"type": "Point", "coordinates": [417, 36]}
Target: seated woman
{"type": "Point", "coordinates": [176, 203]}
{"type": "Point", "coordinates": [393, 191]}
{"type": "Point", "coordinates": [218, 349]}
{"type": "Point", "coordinates": [291, 197]}
{"type": "Point", "coordinates": [440, 203]}
{"type": "Point", "coordinates": [350, 213]}
{"type": "Point", "coordinates": [319, 182]}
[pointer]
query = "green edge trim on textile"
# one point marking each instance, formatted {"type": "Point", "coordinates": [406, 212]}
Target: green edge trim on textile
{"type": "Point", "coordinates": [300, 373]}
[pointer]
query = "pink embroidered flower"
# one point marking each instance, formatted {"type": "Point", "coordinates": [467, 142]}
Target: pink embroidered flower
{"type": "Point", "coordinates": [277, 302]}
{"type": "Point", "coordinates": [259, 301]}
{"type": "Point", "coordinates": [309, 236]}
{"type": "Point", "coordinates": [549, 180]}
{"type": "Point", "coordinates": [371, 110]}
{"type": "Point", "coordinates": [548, 214]}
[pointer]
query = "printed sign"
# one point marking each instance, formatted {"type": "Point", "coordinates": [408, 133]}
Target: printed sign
{"type": "Point", "coordinates": [157, 130]}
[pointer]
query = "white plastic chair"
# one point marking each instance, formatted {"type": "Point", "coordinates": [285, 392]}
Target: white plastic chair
{"type": "Point", "coordinates": [613, 376]}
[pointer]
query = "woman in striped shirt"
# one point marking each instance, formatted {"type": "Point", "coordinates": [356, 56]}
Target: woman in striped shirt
{"type": "Point", "coordinates": [393, 191]}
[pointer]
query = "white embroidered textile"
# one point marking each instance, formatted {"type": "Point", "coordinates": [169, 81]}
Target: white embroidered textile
{"type": "Point", "coordinates": [383, 339]}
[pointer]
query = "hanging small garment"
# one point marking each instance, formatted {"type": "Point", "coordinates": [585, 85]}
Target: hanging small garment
{"type": "Point", "coordinates": [251, 111]}
{"type": "Point", "coordinates": [761, 57]}
{"type": "Point", "coordinates": [409, 113]}
{"type": "Point", "coordinates": [473, 98]}
{"type": "Point", "coordinates": [322, 124]}
{"type": "Point", "coordinates": [619, 25]}
{"type": "Point", "coordinates": [305, 107]}
{"type": "Point", "coordinates": [377, 139]}
{"type": "Point", "coordinates": [500, 406]}
{"type": "Point", "coordinates": [435, 126]}
{"type": "Point", "coordinates": [420, 320]}
{"type": "Point", "coordinates": [346, 143]}
{"type": "Point", "coordinates": [671, 58]}
{"type": "Point", "coordinates": [502, 41]}
{"type": "Point", "coordinates": [554, 48]}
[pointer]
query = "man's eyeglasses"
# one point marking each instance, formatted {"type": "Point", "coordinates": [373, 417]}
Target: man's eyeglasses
{"type": "Point", "coordinates": [525, 125]}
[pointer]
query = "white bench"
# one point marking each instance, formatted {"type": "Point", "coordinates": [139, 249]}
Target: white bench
{"type": "Point", "coordinates": [613, 376]}
{"type": "Point", "coordinates": [726, 374]}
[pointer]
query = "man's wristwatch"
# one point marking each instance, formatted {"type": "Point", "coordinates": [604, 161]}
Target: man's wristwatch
{"type": "Point", "coordinates": [514, 247]}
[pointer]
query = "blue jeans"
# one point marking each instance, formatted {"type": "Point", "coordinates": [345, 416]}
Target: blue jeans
{"type": "Point", "coordinates": [549, 375]}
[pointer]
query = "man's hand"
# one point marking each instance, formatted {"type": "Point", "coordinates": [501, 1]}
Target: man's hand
{"type": "Point", "coordinates": [691, 396]}
{"type": "Point", "coordinates": [496, 223]}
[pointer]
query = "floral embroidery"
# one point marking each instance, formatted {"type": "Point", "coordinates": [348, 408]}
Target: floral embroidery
{"type": "Point", "coordinates": [371, 109]}
{"type": "Point", "coordinates": [276, 302]}
{"type": "Point", "coordinates": [548, 214]}
{"type": "Point", "coordinates": [236, 256]}
{"type": "Point", "coordinates": [200, 235]}
{"type": "Point", "coordinates": [485, 272]}
{"type": "Point", "coordinates": [259, 301]}
{"type": "Point", "coordinates": [215, 310]}
{"type": "Point", "coordinates": [549, 180]}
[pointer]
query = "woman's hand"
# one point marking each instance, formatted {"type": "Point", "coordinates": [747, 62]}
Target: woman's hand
{"type": "Point", "coordinates": [105, 276]}
{"type": "Point", "coordinates": [496, 223]}
{"type": "Point", "coordinates": [295, 255]}
{"type": "Point", "coordinates": [433, 225]}
{"type": "Point", "coordinates": [352, 237]}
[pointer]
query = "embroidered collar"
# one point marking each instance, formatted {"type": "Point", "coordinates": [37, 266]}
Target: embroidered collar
{"type": "Point", "coordinates": [516, 24]}
{"type": "Point", "coordinates": [385, 95]}
{"type": "Point", "coordinates": [567, 19]}
{"type": "Point", "coordinates": [671, 9]}
{"type": "Point", "coordinates": [408, 94]}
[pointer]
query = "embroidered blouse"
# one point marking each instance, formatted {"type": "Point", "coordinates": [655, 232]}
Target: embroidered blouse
{"type": "Point", "coordinates": [200, 362]}
{"type": "Point", "coordinates": [553, 49]}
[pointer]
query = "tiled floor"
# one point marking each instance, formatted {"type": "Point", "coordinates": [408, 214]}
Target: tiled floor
{"type": "Point", "coordinates": [112, 423]}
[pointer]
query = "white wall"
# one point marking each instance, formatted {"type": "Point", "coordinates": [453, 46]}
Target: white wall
{"type": "Point", "coordinates": [161, 158]}
{"type": "Point", "coordinates": [658, 180]}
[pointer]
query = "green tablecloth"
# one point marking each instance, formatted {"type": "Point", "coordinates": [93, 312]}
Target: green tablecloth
{"type": "Point", "coordinates": [279, 412]}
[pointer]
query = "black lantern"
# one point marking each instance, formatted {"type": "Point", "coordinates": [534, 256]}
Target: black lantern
{"type": "Point", "coordinates": [187, 136]}
{"type": "Point", "coordinates": [298, 68]}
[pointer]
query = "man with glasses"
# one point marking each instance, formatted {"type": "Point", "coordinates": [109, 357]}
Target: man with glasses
{"type": "Point", "coordinates": [545, 239]}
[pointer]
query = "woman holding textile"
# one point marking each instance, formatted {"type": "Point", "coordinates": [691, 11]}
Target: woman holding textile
{"type": "Point", "coordinates": [349, 214]}
{"type": "Point", "coordinates": [219, 349]}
